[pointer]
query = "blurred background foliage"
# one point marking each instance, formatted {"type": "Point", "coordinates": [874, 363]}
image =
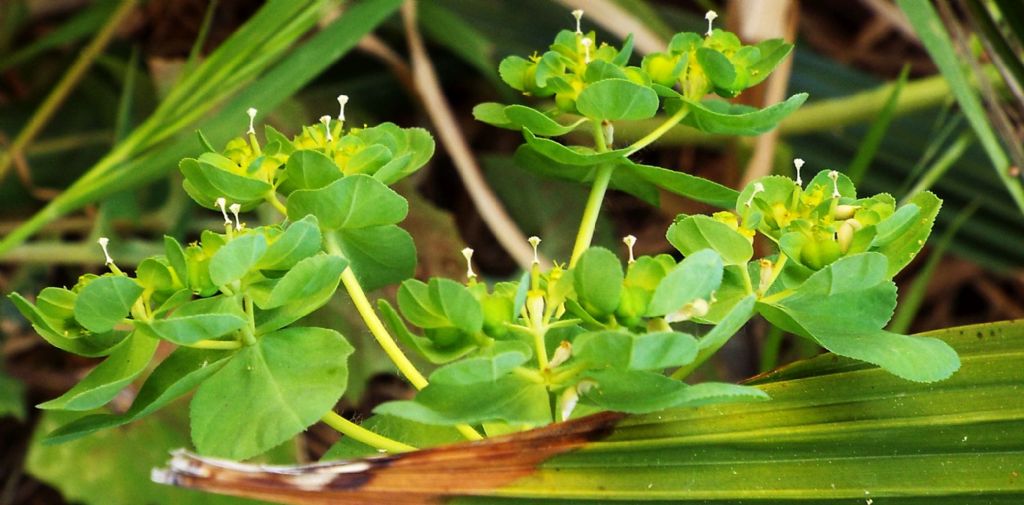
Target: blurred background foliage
{"type": "Point", "coordinates": [99, 99]}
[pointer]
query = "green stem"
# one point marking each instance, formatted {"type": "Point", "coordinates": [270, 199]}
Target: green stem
{"type": "Point", "coordinates": [656, 133]}
{"type": "Point", "coordinates": [216, 344]}
{"type": "Point", "coordinates": [276, 203]}
{"type": "Point", "coordinates": [360, 434]}
{"type": "Point", "coordinates": [380, 333]}
{"type": "Point", "coordinates": [593, 208]}
{"type": "Point", "coordinates": [249, 332]}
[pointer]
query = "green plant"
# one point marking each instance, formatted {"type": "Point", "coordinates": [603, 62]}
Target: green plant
{"type": "Point", "coordinates": [576, 338]}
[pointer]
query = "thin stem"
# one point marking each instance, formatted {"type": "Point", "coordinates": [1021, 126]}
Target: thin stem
{"type": "Point", "coordinates": [593, 208]}
{"type": "Point", "coordinates": [216, 344]}
{"type": "Point", "coordinates": [360, 434]}
{"type": "Point", "coordinates": [380, 333]}
{"type": "Point", "coordinates": [276, 203]}
{"type": "Point", "coordinates": [249, 332]}
{"type": "Point", "coordinates": [656, 133]}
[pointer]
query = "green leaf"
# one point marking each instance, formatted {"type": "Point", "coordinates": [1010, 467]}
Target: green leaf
{"type": "Point", "coordinates": [12, 397]}
{"type": "Point", "coordinates": [513, 70]}
{"type": "Point", "coordinates": [270, 392]}
{"type": "Point", "coordinates": [717, 67]}
{"type": "Point", "coordinates": [90, 346]}
{"type": "Point", "coordinates": [233, 261]}
{"type": "Point", "coordinates": [510, 399]}
{"type": "Point", "coordinates": [597, 279]}
{"type": "Point", "coordinates": [617, 99]}
{"type": "Point", "coordinates": [105, 381]}
{"type": "Point", "coordinates": [425, 346]}
{"type": "Point", "coordinates": [648, 351]}
{"type": "Point", "coordinates": [773, 51]}
{"type": "Point", "coordinates": [176, 257]}
{"type": "Point", "coordinates": [458, 305]}
{"type": "Point", "coordinates": [105, 301]}
{"type": "Point", "coordinates": [357, 201]}
{"type": "Point", "coordinates": [696, 277]}
{"type": "Point", "coordinates": [630, 181]}
{"type": "Point", "coordinates": [716, 116]}
{"type": "Point", "coordinates": [410, 149]}
{"type": "Point", "coordinates": [639, 392]}
{"type": "Point", "coordinates": [380, 255]}
{"type": "Point", "coordinates": [440, 303]}
{"type": "Point", "coordinates": [683, 184]}
{"type": "Point", "coordinates": [273, 319]}
{"type": "Point", "coordinates": [202, 319]}
{"type": "Point", "coordinates": [844, 306]}
{"type": "Point", "coordinates": [307, 278]}
{"type": "Point", "coordinates": [575, 155]}
{"type": "Point", "coordinates": [901, 246]}
{"type": "Point", "coordinates": [299, 241]}
{"type": "Point", "coordinates": [598, 70]}
{"type": "Point", "coordinates": [308, 169]}
{"type": "Point", "coordinates": [493, 114]}
{"type": "Point", "coordinates": [536, 121]}
{"type": "Point", "coordinates": [694, 233]}
{"type": "Point", "coordinates": [111, 468]}
{"type": "Point", "coordinates": [178, 374]}
{"type": "Point", "coordinates": [499, 361]}
{"type": "Point", "coordinates": [210, 177]}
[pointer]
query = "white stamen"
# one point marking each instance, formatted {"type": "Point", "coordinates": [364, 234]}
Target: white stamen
{"type": "Point", "coordinates": [103, 241]}
{"type": "Point", "coordinates": [578, 14]}
{"type": "Point", "coordinates": [342, 100]}
{"type": "Point", "coordinates": [630, 241]}
{"type": "Point", "coordinates": [222, 204]}
{"type": "Point", "coordinates": [252, 117]}
{"type": "Point", "coordinates": [534, 241]}
{"type": "Point", "coordinates": [586, 48]}
{"type": "Point", "coordinates": [758, 188]}
{"type": "Point", "coordinates": [235, 209]}
{"type": "Point", "coordinates": [326, 120]}
{"type": "Point", "coordinates": [798, 163]}
{"type": "Point", "coordinates": [567, 401]}
{"type": "Point", "coordinates": [468, 254]}
{"type": "Point", "coordinates": [561, 355]}
{"type": "Point", "coordinates": [710, 16]}
{"type": "Point", "coordinates": [835, 183]}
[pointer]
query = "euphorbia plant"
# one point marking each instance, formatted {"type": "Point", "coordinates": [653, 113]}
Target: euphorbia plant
{"type": "Point", "coordinates": [585, 335]}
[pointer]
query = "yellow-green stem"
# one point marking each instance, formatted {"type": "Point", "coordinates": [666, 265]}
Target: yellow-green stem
{"type": "Point", "coordinates": [656, 133]}
{"type": "Point", "coordinates": [360, 434]}
{"type": "Point", "coordinates": [380, 333]}
{"type": "Point", "coordinates": [593, 208]}
{"type": "Point", "coordinates": [216, 344]}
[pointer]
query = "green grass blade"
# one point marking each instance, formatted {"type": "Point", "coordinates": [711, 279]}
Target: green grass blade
{"type": "Point", "coordinates": [869, 146]}
{"type": "Point", "coordinates": [84, 23]}
{"type": "Point", "coordinates": [834, 430]}
{"type": "Point", "coordinates": [138, 160]}
{"type": "Point", "coordinates": [928, 25]}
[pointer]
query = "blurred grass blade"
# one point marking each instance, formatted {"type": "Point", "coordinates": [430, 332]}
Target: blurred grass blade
{"type": "Point", "coordinates": [56, 97]}
{"type": "Point", "coordinates": [929, 27]}
{"type": "Point", "coordinates": [869, 146]}
{"type": "Point", "coordinates": [1013, 14]}
{"type": "Point", "coordinates": [1005, 58]}
{"type": "Point", "coordinates": [82, 24]}
{"type": "Point", "coordinates": [835, 431]}
{"type": "Point", "coordinates": [230, 72]}
{"type": "Point", "coordinates": [912, 299]}
{"type": "Point", "coordinates": [204, 33]}
{"type": "Point", "coordinates": [949, 157]}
